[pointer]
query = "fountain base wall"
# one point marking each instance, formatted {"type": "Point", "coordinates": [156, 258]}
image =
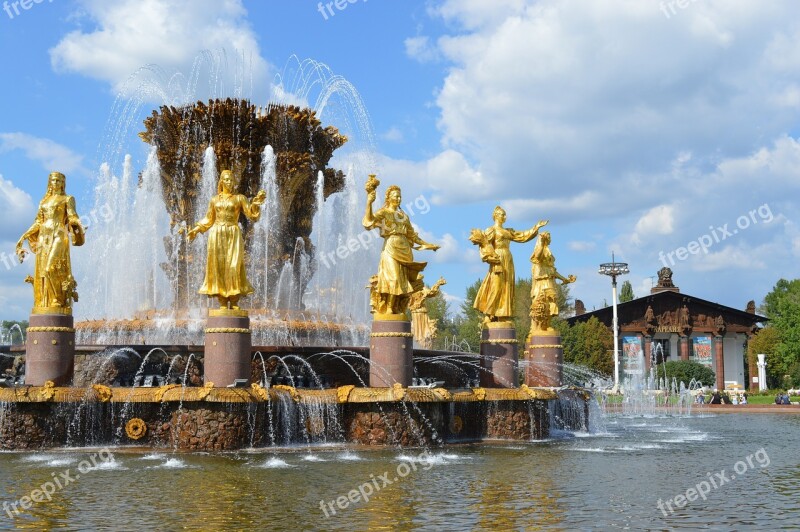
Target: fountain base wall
{"type": "Point", "coordinates": [213, 419]}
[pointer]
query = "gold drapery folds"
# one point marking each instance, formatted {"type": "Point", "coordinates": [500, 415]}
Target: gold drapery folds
{"type": "Point", "coordinates": [544, 275]}
{"type": "Point", "coordinates": [398, 274]}
{"type": "Point", "coordinates": [225, 276]}
{"type": "Point", "coordinates": [54, 287]}
{"type": "Point", "coordinates": [495, 297]}
{"type": "Point", "coordinates": [422, 326]}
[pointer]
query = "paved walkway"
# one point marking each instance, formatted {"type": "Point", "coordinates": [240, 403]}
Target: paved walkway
{"type": "Point", "coordinates": [747, 409]}
{"type": "Point", "coordinates": [726, 409]}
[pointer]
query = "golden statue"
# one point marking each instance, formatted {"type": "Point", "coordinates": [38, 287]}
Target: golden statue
{"type": "Point", "coordinates": [398, 275]}
{"type": "Point", "coordinates": [225, 273]}
{"type": "Point", "coordinates": [422, 326]}
{"type": "Point", "coordinates": [495, 298]}
{"type": "Point", "coordinates": [54, 287]}
{"type": "Point", "coordinates": [544, 306]}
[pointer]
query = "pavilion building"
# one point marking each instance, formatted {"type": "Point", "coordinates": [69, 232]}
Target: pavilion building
{"type": "Point", "coordinates": [668, 325]}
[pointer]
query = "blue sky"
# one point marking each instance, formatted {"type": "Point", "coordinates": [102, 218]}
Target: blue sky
{"type": "Point", "coordinates": [634, 126]}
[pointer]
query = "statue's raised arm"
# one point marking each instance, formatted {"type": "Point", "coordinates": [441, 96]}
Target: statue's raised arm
{"type": "Point", "coordinates": [398, 276]}
{"type": "Point", "coordinates": [495, 297]}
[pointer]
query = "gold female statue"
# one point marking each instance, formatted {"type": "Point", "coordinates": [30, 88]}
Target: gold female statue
{"type": "Point", "coordinates": [495, 298]}
{"type": "Point", "coordinates": [48, 238]}
{"type": "Point", "coordinates": [544, 275]}
{"type": "Point", "coordinates": [398, 274]}
{"type": "Point", "coordinates": [225, 273]}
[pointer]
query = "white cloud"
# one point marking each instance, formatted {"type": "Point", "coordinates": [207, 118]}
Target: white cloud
{"type": "Point", "coordinates": [53, 156]}
{"type": "Point", "coordinates": [581, 246]}
{"type": "Point", "coordinates": [587, 203]}
{"type": "Point", "coordinates": [450, 250]}
{"type": "Point", "coordinates": [597, 99]}
{"type": "Point", "coordinates": [129, 34]}
{"type": "Point", "coordinates": [657, 221]}
{"type": "Point", "coordinates": [729, 257]}
{"type": "Point", "coordinates": [421, 49]}
{"type": "Point", "coordinates": [449, 175]}
{"type": "Point", "coordinates": [17, 212]}
{"type": "Point", "coordinates": [393, 134]}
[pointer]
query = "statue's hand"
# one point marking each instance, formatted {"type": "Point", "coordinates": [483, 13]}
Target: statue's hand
{"type": "Point", "coordinates": [20, 252]}
{"type": "Point", "coordinates": [192, 233]}
{"type": "Point", "coordinates": [571, 279]}
{"type": "Point", "coordinates": [541, 224]}
{"type": "Point", "coordinates": [432, 247]}
{"type": "Point", "coordinates": [371, 197]}
{"type": "Point", "coordinates": [260, 197]}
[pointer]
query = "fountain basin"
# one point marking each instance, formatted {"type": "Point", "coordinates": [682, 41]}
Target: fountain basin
{"type": "Point", "coordinates": [223, 419]}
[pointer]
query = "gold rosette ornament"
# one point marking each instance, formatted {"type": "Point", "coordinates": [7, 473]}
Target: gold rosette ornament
{"type": "Point", "coordinates": [136, 428]}
{"type": "Point", "coordinates": [102, 393]}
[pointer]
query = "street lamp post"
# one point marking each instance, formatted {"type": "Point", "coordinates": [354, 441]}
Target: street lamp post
{"type": "Point", "coordinates": [613, 269]}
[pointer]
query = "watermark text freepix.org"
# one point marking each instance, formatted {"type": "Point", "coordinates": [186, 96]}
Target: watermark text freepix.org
{"type": "Point", "coordinates": [59, 481]}
{"type": "Point", "coordinates": [714, 481]}
{"type": "Point", "coordinates": [365, 238]}
{"type": "Point", "coordinates": [717, 235]}
{"type": "Point", "coordinates": [376, 483]}
{"type": "Point", "coordinates": [326, 8]}
{"type": "Point", "coordinates": [12, 9]}
{"type": "Point", "coordinates": [668, 7]}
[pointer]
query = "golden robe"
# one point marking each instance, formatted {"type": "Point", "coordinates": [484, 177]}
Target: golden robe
{"type": "Point", "coordinates": [496, 294]}
{"type": "Point", "coordinates": [543, 273]}
{"type": "Point", "coordinates": [53, 284]}
{"type": "Point", "coordinates": [225, 271]}
{"type": "Point", "coordinates": [397, 268]}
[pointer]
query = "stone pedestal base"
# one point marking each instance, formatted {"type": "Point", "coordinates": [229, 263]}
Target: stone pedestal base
{"type": "Point", "coordinates": [390, 353]}
{"type": "Point", "coordinates": [49, 350]}
{"type": "Point", "coordinates": [228, 345]}
{"type": "Point", "coordinates": [545, 357]}
{"type": "Point", "coordinates": [500, 357]}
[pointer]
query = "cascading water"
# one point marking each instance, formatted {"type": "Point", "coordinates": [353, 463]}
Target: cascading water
{"type": "Point", "coordinates": [132, 255]}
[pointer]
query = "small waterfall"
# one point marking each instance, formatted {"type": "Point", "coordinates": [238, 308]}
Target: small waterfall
{"type": "Point", "coordinates": [265, 232]}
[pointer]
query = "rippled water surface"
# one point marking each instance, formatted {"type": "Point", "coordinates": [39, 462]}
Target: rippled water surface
{"type": "Point", "coordinates": [610, 479]}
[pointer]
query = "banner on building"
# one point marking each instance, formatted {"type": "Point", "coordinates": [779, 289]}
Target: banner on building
{"type": "Point", "coordinates": [632, 355]}
{"type": "Point", "coordinates": [702, 350]}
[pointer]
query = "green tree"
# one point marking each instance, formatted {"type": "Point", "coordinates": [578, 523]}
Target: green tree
{"type": "Point", "coordinates": [588, 343]}
{"type": "Point", "coordinates": [469, 328]}
{"type": "Point", "coordinates": [685, 370]}
{"type": "Point", "coordinates": [766, 341]}
{"type": "Point", "coordinates": [626, 294]}
{"type": "Point", "coordinates": [782, 307]}
{"type": "Point", "coordinates": [446, 326]}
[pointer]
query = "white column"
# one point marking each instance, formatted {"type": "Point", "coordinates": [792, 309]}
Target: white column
{"type": "Point", "coordinates": [762, 372]}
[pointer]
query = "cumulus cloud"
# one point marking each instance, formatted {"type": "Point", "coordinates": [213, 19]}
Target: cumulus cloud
{"type": "Point", "coordinates": [657, 221]}
{"type": "Point", "coordinates": [581, 246]}
{"type": "Point", "coordinates": [393, 134]}
{"type": "Point", "coordinates": [449, 175]}
{"type": "Point", "coordinates": [52, 156]}
{"type": "Point", "coordinates": [421, 49]}
{"type": "Point", "coordinates": [16, 211]}
{"type": "Point", "coordinates": [129, 34]}
{"type": "Point", "coordinates": [582, 95]}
